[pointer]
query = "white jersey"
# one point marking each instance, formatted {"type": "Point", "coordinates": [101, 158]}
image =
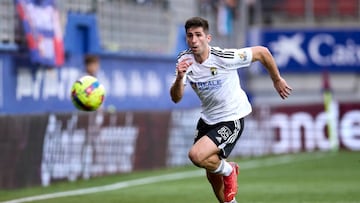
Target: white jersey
{"type": "Point", "coordinates": [217, 84]}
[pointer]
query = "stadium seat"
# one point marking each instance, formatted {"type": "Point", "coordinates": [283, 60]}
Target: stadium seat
{"type": "Point", "coordinates": [347, 8]}
{"type": "Point", "coordinates": [294, 8]}
{"type": "Point", "coordinates": [322, 8]}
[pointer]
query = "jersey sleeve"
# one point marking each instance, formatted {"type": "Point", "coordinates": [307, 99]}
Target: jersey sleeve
{"type": "Point", "coordinates": [241, 58]}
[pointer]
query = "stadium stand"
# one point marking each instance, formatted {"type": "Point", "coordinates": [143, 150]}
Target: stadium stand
{"type": "Point", "coordinates": [152, 26]}
{"type": "Point", "coordinates": [7, 22]}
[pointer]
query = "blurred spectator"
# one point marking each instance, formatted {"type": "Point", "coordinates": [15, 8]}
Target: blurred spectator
{"type": "Point", "coordinates": [206, 6]}
{"type": "Point", "coordinates": [251, 4]}
{"type": "Point", "coordinates": [226, 14]}
{"type": "Point", "coordinates": [269, 8]}
{"type": "Point", "coordinates": [92, 64]}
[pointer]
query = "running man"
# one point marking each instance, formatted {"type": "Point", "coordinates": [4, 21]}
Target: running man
{"type": "Point", "coordinates": [212, 73]}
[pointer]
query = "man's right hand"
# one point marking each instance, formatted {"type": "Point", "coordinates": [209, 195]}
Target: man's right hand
{"type": "Point", "coordinates": [182, 67]}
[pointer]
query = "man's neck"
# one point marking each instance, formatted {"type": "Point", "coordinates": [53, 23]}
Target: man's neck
{"type": "Point", "coordinates": [201, 58]}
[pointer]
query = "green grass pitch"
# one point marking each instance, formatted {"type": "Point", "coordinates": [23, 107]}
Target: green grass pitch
{"type": "Point", "coordinates": [299, 178]}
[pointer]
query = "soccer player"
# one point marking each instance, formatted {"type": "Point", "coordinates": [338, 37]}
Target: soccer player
{"type": "Point", "coordinates": [212, 74]}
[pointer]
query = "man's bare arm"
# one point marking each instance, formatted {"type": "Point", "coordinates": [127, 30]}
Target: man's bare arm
{"type": "Point", "coordinates": [177, 90]}
{"type": "Point", "coordinates": [263, 55]}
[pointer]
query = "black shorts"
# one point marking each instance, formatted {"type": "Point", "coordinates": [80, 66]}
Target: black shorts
{"type": "Point", "coordinates": [223, 134]}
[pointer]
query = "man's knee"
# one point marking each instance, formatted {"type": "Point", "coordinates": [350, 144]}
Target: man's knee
{"type": "Point", "coordinates": [202, 160]}
{"type": "Point", "coordinates": [196, 158]}
{"type": "Point", "coordinates": [203, 152]}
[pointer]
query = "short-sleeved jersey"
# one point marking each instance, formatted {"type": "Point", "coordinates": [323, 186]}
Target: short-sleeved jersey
{"type": "Point", "coordinates": [217, 84]}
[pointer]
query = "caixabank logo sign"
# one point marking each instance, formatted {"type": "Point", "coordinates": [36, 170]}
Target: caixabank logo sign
{"type": "Point", "coordinates": [313, 50]}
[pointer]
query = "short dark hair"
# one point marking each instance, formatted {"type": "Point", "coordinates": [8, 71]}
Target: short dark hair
{"type": "Point", "coordinates": [89, 58]}
{"type": "Point", "coordinates": [197, 22]}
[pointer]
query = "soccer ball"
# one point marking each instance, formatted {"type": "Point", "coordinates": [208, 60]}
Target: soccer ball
{"type": "Point", "coordinates": [87, 94]}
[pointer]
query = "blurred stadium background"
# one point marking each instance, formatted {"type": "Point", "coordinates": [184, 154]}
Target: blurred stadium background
{"type": "Point", "coordinates": [44, 139]}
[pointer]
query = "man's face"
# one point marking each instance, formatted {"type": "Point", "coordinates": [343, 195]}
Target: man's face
{"type": "Point", "coordinates": [197, 40]}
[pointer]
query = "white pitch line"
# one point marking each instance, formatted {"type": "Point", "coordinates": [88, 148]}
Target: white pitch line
{"type": "Point", "coordinates": [161, 178]}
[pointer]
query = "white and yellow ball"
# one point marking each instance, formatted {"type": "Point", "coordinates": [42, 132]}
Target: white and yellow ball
{"type": "Point", "coordinates": [87, 94]}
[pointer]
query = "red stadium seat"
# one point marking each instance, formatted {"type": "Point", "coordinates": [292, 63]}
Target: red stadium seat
{"type": "Point", "coordinates": [347, 8]}
{"type": "Point", "coordinates": [294, 8]}
{"type": "Point", "coordinates": [322, 8]}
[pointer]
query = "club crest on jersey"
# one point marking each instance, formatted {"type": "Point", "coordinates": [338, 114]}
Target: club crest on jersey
{"type": "Point", "coordinates": [243, 56]}
{"type": "Point", "coordinates": [213, 70]}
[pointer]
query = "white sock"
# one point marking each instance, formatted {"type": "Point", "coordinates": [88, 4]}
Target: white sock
{"type": "Point", "coordinates": [224, 168]}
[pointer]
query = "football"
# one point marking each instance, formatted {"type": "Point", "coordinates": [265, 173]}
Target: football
{"type": "Point", "coordinates": [87, 94]}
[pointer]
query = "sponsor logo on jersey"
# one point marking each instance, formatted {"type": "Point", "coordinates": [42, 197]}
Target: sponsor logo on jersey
{"type": "Point", "coordinates": [208, 85]}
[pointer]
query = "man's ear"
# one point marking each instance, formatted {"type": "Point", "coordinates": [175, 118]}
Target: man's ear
{"type": "Point", "coordinates": [209, 37]}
